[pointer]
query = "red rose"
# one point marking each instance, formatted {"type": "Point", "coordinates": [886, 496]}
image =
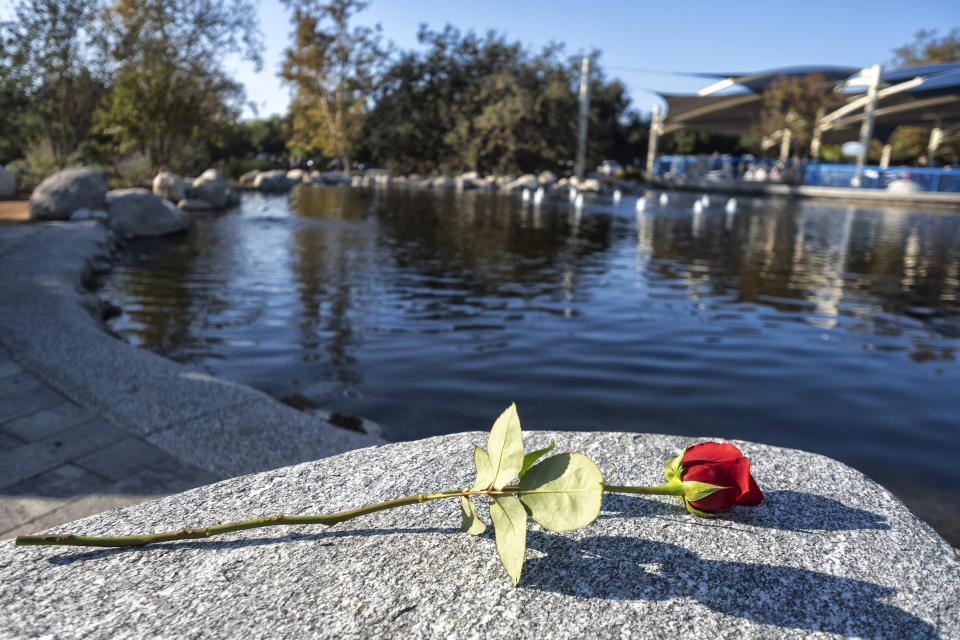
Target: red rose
{"type": "Point", "coordinates": [724, 465]}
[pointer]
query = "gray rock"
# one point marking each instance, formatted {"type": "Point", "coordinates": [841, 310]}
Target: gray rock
{"type": "Point", "coordinates": [296, 175]}
{"type": "Point", "coordinates": [233, 197]}
{"type": "Point", "coordinates": [138, 212]}
{"type": "Point", "coordinates": [528, 181]}
{"type": "Point", "coordinates": [828, 554]}
{"type": "Point", "coordinates": [335, 177]}
{"type": "Point", "coordinates": [272, 181]}
{"type": "Point", "coordinates": [212, 187]}
{"type": "Point", "coordinates": [59, 195]}
{"type": "Point", "coordinates": [547, 178]}
{"type": "Point", "coordinates": [442, 182]}
{"type": "Point", "coordinates": [248, 178]}
{"type": "Point", "coordinates": [86, 214]}
{"type": "Point", "coordinates": [356, 181]}
{"type": "Point", "coordinates": [195, 204]}
{"type": "Point", "coordinates": [170, 186]}
{"type": "Point", "coordinates": [8, 184]}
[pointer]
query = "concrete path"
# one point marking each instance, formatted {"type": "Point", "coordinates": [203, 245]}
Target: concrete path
{"type": "Point", "coordinates": [60, 462]}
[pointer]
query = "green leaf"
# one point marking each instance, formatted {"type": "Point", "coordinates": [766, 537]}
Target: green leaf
{"type": "Point", "coordinates": [510, 528]}
{"type": "Point", "coordinates": [563, 492]}
{"type": "Point", "coordinates": [484, 471]}
{"type": "Point", "coordinates": [505, 447]}
{"type": "Point", "coordinates": [694, 490]}
{"type": "Point", "coordinates": [533, 456]}
{"type": "Point", "coordinates": [471, 522]}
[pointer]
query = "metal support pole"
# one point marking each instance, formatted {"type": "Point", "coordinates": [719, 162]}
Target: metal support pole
{"type": "Point", "coordinates": [866, 128]}
{"type": "Point", "coordinates": [584, 113]}
{"type": "Point", "coordinates": [653, 142]}
{"type": "Point", "coordinates": [936, 137]}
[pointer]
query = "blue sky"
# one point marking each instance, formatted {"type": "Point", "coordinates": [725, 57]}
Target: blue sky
{"type": "Point", "coordinates": [665, 36]}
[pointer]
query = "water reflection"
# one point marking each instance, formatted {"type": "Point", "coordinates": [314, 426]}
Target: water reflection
{"type": "Point", "coordinates": [832, 328]}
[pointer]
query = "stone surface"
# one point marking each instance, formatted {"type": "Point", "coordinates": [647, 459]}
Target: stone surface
{"type": "Point", "coordinates": [59, 195]}
{"type": "Point", "coordinates": [272, 181]}
{"type": "Point", "coordinates": [8, 185]}
{"type": "Point", "coordinates": [212, 187]}
{"type": "Point", "coordinates": [140, 213]}
{"type": "Point", "coordinates": [828, 554]}
{"type": "Point", "coordinates": [195, 204]}
{"type": "Point", "coordinates": [170, 186]}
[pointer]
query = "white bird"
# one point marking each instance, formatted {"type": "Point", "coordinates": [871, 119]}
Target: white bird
{"type": "Point", "coordinates": [526, 195]}
{"type": "Point", "coordinates": [641, 203]}
{"type": "Point", "coordinates": [578, 203]}
{"type": "Point", "coordinates": [698, 206]}
{"type": "Point", "coordinates": [731, 206]}
{"type": "Point", "coordinates": [664, 199]}
{"type": "Point", "coordinates": [538, 196]}
{"type": "Point", "coordinates": [616, 196]}
{"type": "Point", "coordinates": [705, 199]}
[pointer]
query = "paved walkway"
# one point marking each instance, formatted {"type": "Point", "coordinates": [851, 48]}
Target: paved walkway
{"type": "Point", "coordinates": [60, 461]}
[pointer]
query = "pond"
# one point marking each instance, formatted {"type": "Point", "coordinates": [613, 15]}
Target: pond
{"type": "Point", "coordinates": [827, 327]}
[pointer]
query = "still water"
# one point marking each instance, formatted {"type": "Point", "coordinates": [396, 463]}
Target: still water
{"type": "Point", "coordinates": [827, 327]}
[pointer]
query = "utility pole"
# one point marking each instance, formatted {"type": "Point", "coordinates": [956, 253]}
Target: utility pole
{"type": "Point", "coordinates": [584, 113]}
{"type": "Point", "coordinates": [866, 127]}
{"type": "Point", "coordinates": [656, 122]}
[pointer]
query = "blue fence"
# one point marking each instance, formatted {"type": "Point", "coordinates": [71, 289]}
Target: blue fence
{"type": "Point", "coordinates": [811, 173]}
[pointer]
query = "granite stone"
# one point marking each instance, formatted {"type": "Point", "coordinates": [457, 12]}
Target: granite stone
{"type": "Point", "coordinates": [829, 554]}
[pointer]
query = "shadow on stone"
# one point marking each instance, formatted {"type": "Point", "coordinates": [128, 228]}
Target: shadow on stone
{"type": "Point", "coordinates": [219, 545]}
{"type": "Point", "coordinates": [622, 568]}
{"type": "Point", "coordinates": [784, 510]}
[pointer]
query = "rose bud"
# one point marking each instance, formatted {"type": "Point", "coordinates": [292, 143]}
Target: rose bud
{"type": "Point", "coordinates": [715, 476]}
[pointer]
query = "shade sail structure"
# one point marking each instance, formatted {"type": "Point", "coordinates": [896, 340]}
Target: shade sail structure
{"type": "Point", "coordinates": [932, 99]}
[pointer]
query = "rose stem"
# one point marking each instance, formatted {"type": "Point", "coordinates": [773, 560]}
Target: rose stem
{"type": "Point", "coordinates": [68, 539]}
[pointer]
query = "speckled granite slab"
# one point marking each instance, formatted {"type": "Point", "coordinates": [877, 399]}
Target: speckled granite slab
{"type": "Point", "coordinates": [828, 554]}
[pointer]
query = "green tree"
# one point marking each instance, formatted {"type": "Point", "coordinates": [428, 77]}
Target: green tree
{"type": "Point", "coordinates": [482, 103]}
{"type": "Point", "coordinates": [332, 68]}
{"type": "Point", "coordinates": [50, 88]}
{"type": "Point", "coordinates": [171, 99]}
{"type": "Point", "coordinates": [795, 104]}
{"type": "Point", "coordinates": [927, 48]}
{"type": "Point", "coordinates": [909, 143]}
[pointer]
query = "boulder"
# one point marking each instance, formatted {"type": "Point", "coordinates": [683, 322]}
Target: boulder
{"type": "Point", "coordinates": [248, 178]}
{"type": "Point", "coordinates": [528, 181]}
{"type": "Point", "coordinates": [335, 177]}
{"type": "Point", "coordinates": [296, 175]}
{"type": "Point", "coordinates": [8, 184]}
{"type": "Point", "coordinates": [170, 186]}
{"type": "Point", "coordinates": [547, 178]}
{"type": "Point", "coordinates": [442, 182]}
{"type": "Point", "coordinates": [58, 196]}
{"type": "Point", "coordinates": [356, 181]}
{"type": "Point", "coordinates": [829, 553]}
{"type": "Point", "coordinates": [233, 197]}
{"type": "Point", "coordinates": [212, 187]}
{"type": "Point", "coordinates": [195, 204]}
{"type": "Point", "coordinates": [87, 214]}
{"type": "Point", "coordinates": [272, 181]}
{"type": "Point", "coordinates": [138, 212]}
